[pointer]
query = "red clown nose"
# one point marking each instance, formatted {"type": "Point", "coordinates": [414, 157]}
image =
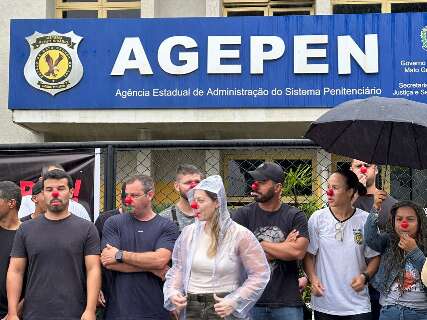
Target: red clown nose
{"type": "Point", "coordinates": [194, 205]}
{"type": "Point", "coordinates": [363, 169]}
{"type": "Point", "coordinates": [330, 192]}
{"type": "Point", "coordinates": [193, 184]}
{"type": "Point", "coordinates": [254, 186]}
{"type": "Point", "coordinates": [404, 224]}
{"type": "Point", "coordinates": [55, 194]}
{"type": "Point", "coordinates": [128, 201]}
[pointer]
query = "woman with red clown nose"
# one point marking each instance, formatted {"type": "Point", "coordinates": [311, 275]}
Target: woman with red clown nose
{"type": "Point", "coordinates": [403, 248]}
{"type": "Point", "coordinates": [338, 262]}
{"type": "Point", "coordinates": [219, 269]}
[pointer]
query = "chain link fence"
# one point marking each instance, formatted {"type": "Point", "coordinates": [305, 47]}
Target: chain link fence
{"type": "Point", "coordinates": [306, 168]}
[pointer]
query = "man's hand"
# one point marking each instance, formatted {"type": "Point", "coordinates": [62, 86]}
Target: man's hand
{"type": "Point", "coordinates": [302, 283]}
{"type": "Point", "coordinates": [358, 283]}
{"type": "Point", "coordinates": [161, 273]}
{"type": "Point", "coordinates": [292, 236]}
{"type": "Point", "coordinates": [108, 255]}
{"type": "Point", "coordinates": [223, 307]}
{"type": "Point", "coordinates": [317, 287]}
{"type": "Point", "coordinates": [179, 301]}
{"type": "Point", "coordinates": [407, 243]}
{"type": "Point", "coordinates": [101, 299]}
{"type": "Point", "coordinates": [174, 315]}
{"type": "Point", "coordinates": [379, 197]}
{"type": "Point", "coordinates": [88, 315]}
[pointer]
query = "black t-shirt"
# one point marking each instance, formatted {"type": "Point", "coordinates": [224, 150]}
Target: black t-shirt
{"type": "Point", "coordinates": [282, 290]}
{"type": "Point", "coordinates": [137, 295]}
{"type": "Point", "coordinates": [55, 252]}
{"type": "Point", "coordinates": [6, 242]}
{"type": "Point", "coordinates": [367, 201]}
{"type": "Point", "coordinates": [107, 275]}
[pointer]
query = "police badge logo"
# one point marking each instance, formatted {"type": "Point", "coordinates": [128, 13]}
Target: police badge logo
{"type": "Point", "coordinates": [423, 36]}
{"type": "Point", "coordinates": [53, 65]}
{"type": "Point", "coordinates": [358, 236]}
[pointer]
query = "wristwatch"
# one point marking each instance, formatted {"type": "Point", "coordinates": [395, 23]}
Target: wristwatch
{"type": "Point", "coordinates": [366, 276]}
{"type": "Point", "coordinates": [119, 256]}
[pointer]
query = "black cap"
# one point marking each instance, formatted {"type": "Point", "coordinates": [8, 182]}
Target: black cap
{"type": "Point", "coordinates": [37, 188]}
{"type": "Point", "coordinates": [268, 171]}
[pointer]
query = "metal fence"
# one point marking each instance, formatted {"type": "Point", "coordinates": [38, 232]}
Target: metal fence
{"type": "Point", "coordinates": [306, 166]}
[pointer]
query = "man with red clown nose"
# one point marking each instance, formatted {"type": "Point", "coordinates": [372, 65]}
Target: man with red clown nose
{"type": "Point", "coordinates": [187, 177]}
{"type": "Point", "coordinates": [283, 233]}
{"type": "Point", "coordinates": [137, 246]}
{"type": "Point", "coordinates": [367, 173]}
{"type": "Point", "coordinates": [60, 254]}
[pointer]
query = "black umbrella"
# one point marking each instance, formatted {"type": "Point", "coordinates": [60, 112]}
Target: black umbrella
{"type": "Point", "coordinates": [378, 130]}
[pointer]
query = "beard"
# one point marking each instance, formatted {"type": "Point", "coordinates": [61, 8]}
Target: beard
{"type": "Point", "coordinates": [183, 195]}
{"type": "Point", "coordinates": [58, 208]}
{"type": "Point", "coordinates": [262, 198]}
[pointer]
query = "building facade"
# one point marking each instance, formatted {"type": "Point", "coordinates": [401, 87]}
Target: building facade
{"type": "Point", "coordinates": [27, 126]}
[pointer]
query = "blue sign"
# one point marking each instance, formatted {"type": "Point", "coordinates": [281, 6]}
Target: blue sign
{"type": "Point", "coordinates": [239, 62]}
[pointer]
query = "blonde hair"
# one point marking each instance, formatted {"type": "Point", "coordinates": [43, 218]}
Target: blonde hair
{"type": "Point", "coordinates": [214, 234]}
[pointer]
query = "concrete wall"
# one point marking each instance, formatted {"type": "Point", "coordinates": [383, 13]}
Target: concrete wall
{"type": "Point", "coordinates": [180, 8]}
{"type": "Point", "coordinates": [23, 9]}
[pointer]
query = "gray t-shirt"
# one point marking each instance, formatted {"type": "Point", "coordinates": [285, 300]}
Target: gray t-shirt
{"type": "Point", "coordinates": [55, 252]}
{"type": "Point", "coordinates": [412, 295]}
{"type": "Point", "coordinates": [182, 219]}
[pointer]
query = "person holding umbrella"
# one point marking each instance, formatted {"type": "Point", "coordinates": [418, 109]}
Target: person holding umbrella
{"type": "Point", "coordinates": [338, 263]}
{"type": "Point", "coordinates": [403, 249]}
{"type": "Point", "coordinates": [367, 174]}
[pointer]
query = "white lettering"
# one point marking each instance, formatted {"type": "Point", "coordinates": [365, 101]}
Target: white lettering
{"type": "Point", "coordinates": [302, 53]}
{"type": "Point", "coordinates": [347, 48]}
{"type": "Point", "coordinates": [191, 58]}
{"type": "Point", "coordinates": [258, 55]}
{"type": "Point", "coordinates": [123, 62]}
{"type": "Point", "coordinates": [215, 54]}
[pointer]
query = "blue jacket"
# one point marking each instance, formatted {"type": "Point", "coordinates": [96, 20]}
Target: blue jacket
{"type": "Point", "coordinates": [380, 242]}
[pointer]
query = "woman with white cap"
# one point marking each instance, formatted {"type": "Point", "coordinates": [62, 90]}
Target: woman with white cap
{"type": "Point", "coordinates": [219, 268]}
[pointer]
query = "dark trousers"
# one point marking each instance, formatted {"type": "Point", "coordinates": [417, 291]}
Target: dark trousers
{"type": "Point", "coordinates": [375, 303]}
{"type": "Point", "coordinates": [201, 307]}
{"type": "Point", "coordinates": [324, 316]}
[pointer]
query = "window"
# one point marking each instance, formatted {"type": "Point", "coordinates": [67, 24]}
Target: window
{"type": "Point", "coordinates": [234, 8]}
{"type": "Point", "coordinates": [378, 6]}
{"type": "Point", "coordinates": [98, 8]}
{"type": "Point", "coordinates": [238, 181]}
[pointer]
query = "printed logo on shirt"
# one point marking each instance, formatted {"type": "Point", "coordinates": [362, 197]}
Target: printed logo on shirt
{"type": "Point", "coordinates": [271, 234]}
{"type": "Point", "coordinates": [412, 279]}
{"type": "Point", "coordinates": [358, 236]}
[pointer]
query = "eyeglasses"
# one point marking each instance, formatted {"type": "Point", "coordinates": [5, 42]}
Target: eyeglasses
{"type": "Point", "coordinates": [136, 196]}
{"type": "Point", "coordinates": [339, 231]}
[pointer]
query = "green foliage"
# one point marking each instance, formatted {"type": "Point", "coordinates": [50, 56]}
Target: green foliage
{"type": "Point", "coordinates": [296, 180]}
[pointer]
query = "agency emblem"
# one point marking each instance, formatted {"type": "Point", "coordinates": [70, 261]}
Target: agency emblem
{"type": "Point", "coordinates": [53, 65]}
{"type": "Point", "coordinates": [423, 36]}
{"type": "Point", "coordinates": [358, 236]}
